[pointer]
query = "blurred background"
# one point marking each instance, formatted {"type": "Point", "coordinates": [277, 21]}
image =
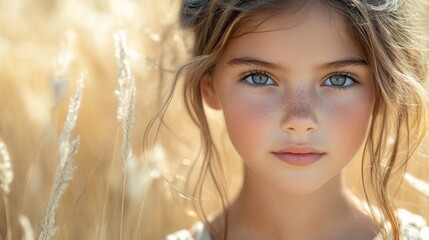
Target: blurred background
{"type": "Point", "coordinates": [45, 47]}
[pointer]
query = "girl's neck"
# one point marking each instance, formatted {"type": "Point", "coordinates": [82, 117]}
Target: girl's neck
{"type": "Point", "coordinates": [263, 212]}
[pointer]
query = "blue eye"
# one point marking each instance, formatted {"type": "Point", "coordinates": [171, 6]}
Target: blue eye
{"type": "Point", "coordinates": [339, 81]}
{"type": "Point", "coordinates": [258, 78]}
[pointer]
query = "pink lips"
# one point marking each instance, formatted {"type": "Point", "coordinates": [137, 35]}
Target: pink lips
{"type": "Point", "coordinates": [299, 155]}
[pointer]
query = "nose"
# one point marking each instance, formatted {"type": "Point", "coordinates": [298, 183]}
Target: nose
{"type": "Point", "coordinates": [299, 115]}
{"type": "Point", "coordinates": [299, 125]}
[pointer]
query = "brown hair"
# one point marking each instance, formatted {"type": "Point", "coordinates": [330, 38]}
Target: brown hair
{"type": "Point", "coordinates": [391, 45]}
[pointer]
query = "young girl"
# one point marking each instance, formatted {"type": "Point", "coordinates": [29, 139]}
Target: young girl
{"type": "Point", "coordinates": [305, 87]}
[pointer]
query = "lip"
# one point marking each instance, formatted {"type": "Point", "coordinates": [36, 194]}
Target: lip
{"type": "Point", "coordinates": [300, 156]}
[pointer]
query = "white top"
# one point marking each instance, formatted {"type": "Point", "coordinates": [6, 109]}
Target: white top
{"type": "Point", "coordinates": [412, 227]}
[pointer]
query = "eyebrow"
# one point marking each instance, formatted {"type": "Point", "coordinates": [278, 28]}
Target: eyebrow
{"type": "Point", "coordinates": [253, 61]}
{"type": "Point", "coordinates": [344, 63]}
{"type": "Point", "coordinates": [248, 61]}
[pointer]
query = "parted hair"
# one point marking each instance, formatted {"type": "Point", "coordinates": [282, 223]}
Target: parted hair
{"type": "Point", "coordinates": [394, 48]}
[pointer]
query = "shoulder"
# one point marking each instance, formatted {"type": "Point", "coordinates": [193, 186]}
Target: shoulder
{"type": "Point", "coordinates": [412, 226]}
{"type": "Point", "coordinates": [198, 232]}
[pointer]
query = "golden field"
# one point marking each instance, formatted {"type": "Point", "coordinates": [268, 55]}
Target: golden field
{"type": "Point", "coordinates": [45, 47]}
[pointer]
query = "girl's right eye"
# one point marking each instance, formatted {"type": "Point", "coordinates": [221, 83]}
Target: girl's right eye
{"type": "Point", "coordinates": [258, 79]}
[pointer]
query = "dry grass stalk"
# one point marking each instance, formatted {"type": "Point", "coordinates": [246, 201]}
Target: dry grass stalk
{"type": "Point", "coordinates": [60, 77]}
{"type": "Point", "coordinates": [126, 110]}
{"type": "Point", "coordinates": [27, 230]}
{"type": "Point", "coordinates": [6, 177]}
{"type": "Point", "coordinates": [126, 94]}
{"type": "Point", "coordinates": [65, 169]}
{"type": "Point", "coordinates": [6, 173]}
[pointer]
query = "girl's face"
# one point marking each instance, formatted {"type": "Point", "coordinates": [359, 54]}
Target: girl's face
{"type": "Point", "coordinates": [297, 98]}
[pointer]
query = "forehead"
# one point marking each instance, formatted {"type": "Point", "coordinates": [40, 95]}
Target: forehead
{"type": "Point", "coordinates": [313, 26]}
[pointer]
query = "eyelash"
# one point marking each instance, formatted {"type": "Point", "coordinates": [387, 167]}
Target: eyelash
{"type": "Point", "coordinates": [248, 74]}
{"type": "Point", "coordinates": [340, 88]}
{"type": "Point", "coordinates": [344, 74]}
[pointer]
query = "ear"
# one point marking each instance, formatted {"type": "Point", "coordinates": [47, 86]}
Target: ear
{"type": "Point", "coordinates": [208, 93]}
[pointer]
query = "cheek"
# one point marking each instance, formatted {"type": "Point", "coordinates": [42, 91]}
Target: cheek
{"type": "Point", "coordinates": [349, 124]}
{"type": "Point", "coordinates": [247, 118]}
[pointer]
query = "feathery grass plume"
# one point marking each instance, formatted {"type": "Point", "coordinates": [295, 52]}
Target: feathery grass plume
{"type": "Point", "coordinates": [60, 76]}
{"type": "Point", "coordinates": [27, 230]}
{"type": "Point", "coordinates": [142, 175]}
{"type": "Point", "coordinates": [126, 109]}
{"type": "Point", "coordinates": [126, 94]}
{"type": "Point", "coordinates": [6, 173]}
{"type": "Point", "coordinates": [65, 169]}
{"type": "Point", "coordinates": [419, 185]}
{"type": "Point", "coordinates": [6, 177]}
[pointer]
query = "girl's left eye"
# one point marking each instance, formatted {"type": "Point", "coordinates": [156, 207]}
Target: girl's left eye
{"type": "Point", "coordinates": [339, 81]}
{"type": "Point", "coordinates": [258, 79]}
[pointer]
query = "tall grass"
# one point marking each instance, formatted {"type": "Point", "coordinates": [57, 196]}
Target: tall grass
{"type": "Point", "coordinates": [6, 177]}
{"type": "Point", "coordinates": [42, 53]}
{"type": "Point", "coordinates": [64, 174]}
{"type": "Point", "coordinates": [116, 191]}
